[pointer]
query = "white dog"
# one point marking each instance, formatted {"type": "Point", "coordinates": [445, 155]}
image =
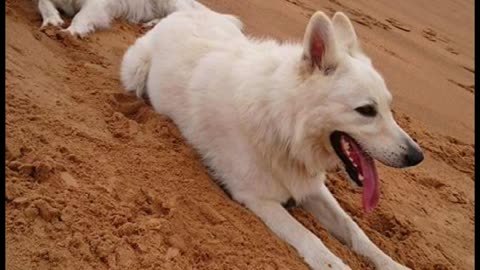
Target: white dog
{"type": "Point", "coordinates": [90, 15]}
{"type": "Point", "coordinates": [270, 119]}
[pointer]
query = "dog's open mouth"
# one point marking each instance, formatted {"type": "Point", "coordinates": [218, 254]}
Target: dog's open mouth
{"type": "Point", "coordinates": [359, 166]}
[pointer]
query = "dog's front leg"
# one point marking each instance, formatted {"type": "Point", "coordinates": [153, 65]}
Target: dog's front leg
{"type": "Point", "coordinates": [50, 14]}
{"type": "Point", "coordinates": [94, 14]}
{"type": "Point", "coordinates": [309, 246]}
{"type": "Point", "coordinates": [330, 214]}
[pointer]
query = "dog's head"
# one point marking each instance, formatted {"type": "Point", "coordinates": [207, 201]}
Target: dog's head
{"type": "Point", "coordinates": [346, 104]}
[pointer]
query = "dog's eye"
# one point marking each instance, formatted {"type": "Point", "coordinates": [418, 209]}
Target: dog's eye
{"type": "Point", "coordinates": [367, 110]}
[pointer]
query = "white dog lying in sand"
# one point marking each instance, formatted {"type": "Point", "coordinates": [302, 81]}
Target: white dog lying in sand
{"type": "Point", "coordinates": [270, 119]}
{"type": "Point", "coordinates": [89, 15]}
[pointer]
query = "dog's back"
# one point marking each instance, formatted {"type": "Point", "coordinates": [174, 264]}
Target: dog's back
{"type": "Point", "coordinates": [199, 31]}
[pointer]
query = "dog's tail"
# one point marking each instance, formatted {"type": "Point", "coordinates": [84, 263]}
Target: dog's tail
{"type": "Point", "coordinates": [136, 65]}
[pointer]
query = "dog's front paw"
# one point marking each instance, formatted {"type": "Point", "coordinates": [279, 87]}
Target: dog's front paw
{"type": "Point", "coordinates": [52, 21]}
{"type": "Point", "coordinates": [66, 38]}
{"type": "Point", "coordinates": [77, 31]}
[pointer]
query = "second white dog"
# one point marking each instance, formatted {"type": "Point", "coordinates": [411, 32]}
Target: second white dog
{"type": "Point", "coordinates": [270, 119]}
{"type": "Point", "coordinates": [89, 15]}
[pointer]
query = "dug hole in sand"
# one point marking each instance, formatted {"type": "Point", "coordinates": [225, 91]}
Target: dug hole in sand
{"type": "Point", "coordinates": [96, 180]}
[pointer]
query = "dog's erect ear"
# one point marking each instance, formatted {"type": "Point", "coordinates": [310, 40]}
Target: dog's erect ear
{"type": "Point", "coordinates": [344, 32]}
{"type": "Point", "coordinates": [319, 47]}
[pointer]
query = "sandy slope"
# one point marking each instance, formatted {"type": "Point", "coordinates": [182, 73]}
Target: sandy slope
{"type": "Point", "coordinates": [97, 180]}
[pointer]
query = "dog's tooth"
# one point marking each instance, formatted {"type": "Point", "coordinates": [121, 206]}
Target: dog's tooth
{"type": "Point", "coordinates": [360, 177]}
{"type": "Point", "coordinates": [344, 144]}
{"type": "Point", "coordinates": [354, 164]}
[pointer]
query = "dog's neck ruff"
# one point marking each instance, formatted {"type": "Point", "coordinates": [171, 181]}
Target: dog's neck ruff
{"type": "Point", "coordinates": [273, 142]}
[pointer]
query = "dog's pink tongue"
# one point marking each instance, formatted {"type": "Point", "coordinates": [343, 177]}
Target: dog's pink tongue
{"type": "Point", "coordinates": [371, 193]}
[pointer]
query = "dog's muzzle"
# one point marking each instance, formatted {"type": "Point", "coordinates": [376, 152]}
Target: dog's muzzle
{"type": "Point", "coordinates": [413, 156]}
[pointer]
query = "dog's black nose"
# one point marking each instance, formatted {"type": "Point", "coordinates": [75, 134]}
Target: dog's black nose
{"type": "Point", "coordinates": [414, 156]}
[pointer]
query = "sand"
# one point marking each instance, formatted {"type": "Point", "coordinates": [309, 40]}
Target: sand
{"type": "Point", "coordinates": [96, 180]}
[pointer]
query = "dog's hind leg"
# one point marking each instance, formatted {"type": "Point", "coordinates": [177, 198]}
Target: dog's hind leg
{"type": "Point", "coordinates": [330, 214]}
{"type": "Point", "coordinates": [50, 14]}
{"type": "Point", "coordinates": [309, 246]}
{"type": "Point", "coordinates": [136, 65]}
{"type": "Point", "coordinates": [93, 15]}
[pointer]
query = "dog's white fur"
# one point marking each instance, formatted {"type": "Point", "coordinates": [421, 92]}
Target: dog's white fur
{"type": "Point", "coordinates": [89, 15]}
{"type": "Point", "coordinates": [260, 114]}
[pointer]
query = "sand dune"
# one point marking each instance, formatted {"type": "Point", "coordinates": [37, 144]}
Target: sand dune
{"type": "Point", "coordinates": [96, 180]}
